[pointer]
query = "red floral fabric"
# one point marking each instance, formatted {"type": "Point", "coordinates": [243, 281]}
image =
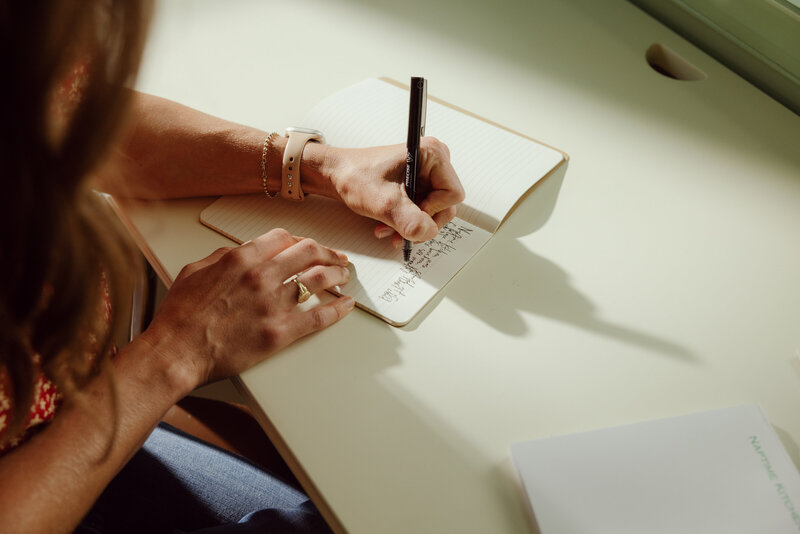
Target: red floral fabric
{"type": "Point", "coordinates": [46, 397]}
{"type": "Point", "coordinates": [69, 92]}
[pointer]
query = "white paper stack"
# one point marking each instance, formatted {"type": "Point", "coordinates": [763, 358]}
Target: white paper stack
{"type": "Point", "coordinates": [720, 471]}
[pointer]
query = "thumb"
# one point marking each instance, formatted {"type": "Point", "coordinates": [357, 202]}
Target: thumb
{"type": "Point", "coordinates": [411, 222]}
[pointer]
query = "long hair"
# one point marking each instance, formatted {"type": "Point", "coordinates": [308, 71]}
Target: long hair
{"type": "Point", "coordinates": [59, 239]}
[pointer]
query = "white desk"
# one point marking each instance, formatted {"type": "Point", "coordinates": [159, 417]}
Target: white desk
{"type": "Point", "coordinates": [666, 280]}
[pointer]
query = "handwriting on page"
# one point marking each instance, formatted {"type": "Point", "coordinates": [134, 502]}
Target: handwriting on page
{"type": "Point", "coordinates": [423, 257]}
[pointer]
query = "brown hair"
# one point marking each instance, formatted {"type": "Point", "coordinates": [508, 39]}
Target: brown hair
{"type": "Point", "coordinates": [59, 237]}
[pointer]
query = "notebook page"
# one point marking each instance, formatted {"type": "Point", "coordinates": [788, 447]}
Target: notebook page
{"type": "Point", "coordinates": [495, 166]}
{"type": "Point", "coordinates": [380, 281]}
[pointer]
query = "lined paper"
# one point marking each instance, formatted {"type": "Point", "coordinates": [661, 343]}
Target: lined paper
{"type": "Point", "coordinates": [380, 281]}
{"type": "Point", "coordinates": [495, 166]}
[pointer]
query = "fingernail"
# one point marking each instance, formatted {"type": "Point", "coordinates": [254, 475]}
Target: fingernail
{"type": "Point", "coordinates": [384, 232]}
{"type": "Point", "coordinates": [342, 257]}
{"type": "Point", "coordinates": [346, 274]}
{"type": "Point", "coordinates": [348, 302]}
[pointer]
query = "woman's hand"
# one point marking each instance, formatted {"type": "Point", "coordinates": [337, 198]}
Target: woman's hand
{"type": "Point", "coordinates": [232, 309]}
{"type": "Point", "coordinates": [371, 182]}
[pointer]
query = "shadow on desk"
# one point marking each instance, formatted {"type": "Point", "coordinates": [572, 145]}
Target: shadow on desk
{"type": "Point", "coordinates": [528, 282]}
{"type": "Point", "coordinates": [531, 283]}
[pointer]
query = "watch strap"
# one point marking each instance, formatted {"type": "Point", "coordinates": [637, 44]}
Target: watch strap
{"type": "Point", "coordinates": [292, 156]}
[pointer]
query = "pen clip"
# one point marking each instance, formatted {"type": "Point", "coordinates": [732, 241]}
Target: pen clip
{"type": "Point", "coordinates": [424, 107]}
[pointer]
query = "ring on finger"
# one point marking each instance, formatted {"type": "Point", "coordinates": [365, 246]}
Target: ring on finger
{"type": "Point", "coordinates": [303, 294]}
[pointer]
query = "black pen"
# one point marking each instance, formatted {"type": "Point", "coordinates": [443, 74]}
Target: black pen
{"type": "Point", "coordinates": [417, 109]}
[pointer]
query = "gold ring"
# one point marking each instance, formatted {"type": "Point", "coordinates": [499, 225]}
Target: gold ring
{"type": "Point", "coordinates": [303, 294]}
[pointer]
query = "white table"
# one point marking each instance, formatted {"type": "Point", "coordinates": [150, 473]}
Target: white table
{"type": "Point", "coordinates": [661, 276]}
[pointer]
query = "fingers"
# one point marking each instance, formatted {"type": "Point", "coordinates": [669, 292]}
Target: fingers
{"type": "Point", "coordinates": [304, 254]}
{"type": "Point", "coordinates": [318, 278]}
{"type": "Point", "coordinates": [397, 240]}
{"type": "Point", "coordinates": [290, 253]}
{"type": "Point", "coordinates": [411, 222]}
{"type": "Point", "coordinates": [267, 246]}
{"type": "Point", "coordinates": [444, 216]}
{"type": "Point", "coordinates": [441, 218]}
{"type": "Point", "coordinates": [441, 200]}
{"type": "Point", "coordinates": [383, 230]}
{"type": "Point", "coordinates": [443, 193]}
{"type": "Point", "coordinates": [256, 251]}
{"type": "Point", "coordinates": [320, 317]}
{"type": "Point", "coordinates": [446, 188]}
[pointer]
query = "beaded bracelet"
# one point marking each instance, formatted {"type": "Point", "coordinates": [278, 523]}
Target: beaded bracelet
{"type": "Point", "coordinates": [267, 144]}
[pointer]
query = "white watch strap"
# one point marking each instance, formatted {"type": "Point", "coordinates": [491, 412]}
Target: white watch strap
{"type": "Point", "coordinates": [292, 155]}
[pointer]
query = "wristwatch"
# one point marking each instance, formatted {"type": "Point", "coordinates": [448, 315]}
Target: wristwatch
{"type": "Point", "coordinates": [292, 155]}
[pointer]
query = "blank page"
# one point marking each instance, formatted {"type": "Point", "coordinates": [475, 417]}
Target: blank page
{"type": "Point", "coordinates": [717, 471]}
{"type": "Point", "coordinates": [380, 281]}
{"type": "Point", "coordinates": [495, 166]}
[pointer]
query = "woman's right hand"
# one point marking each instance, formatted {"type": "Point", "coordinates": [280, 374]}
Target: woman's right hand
{"type": "Point", "coordinates": [232, 309]}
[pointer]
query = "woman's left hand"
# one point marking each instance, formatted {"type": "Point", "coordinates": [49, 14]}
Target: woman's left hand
{"type": "Point", "coordinates": [371, 182]}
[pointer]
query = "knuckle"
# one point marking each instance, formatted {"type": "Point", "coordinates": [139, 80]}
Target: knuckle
{"type": "Point", "coordinates": [413, 228]}
{"type": "Point", "coordinates": [279, 233]}
{"type": "Point", "coordinates": [344, 274]}
{"type": "Point", "coordinates": [253, 278]}
{"type": "Point", "coordinates": [271, 335]}
{"type": "Point", "coordinates": [234, 258]}
{"type": "Point", "coordinates": [186, 271]}
{"type": "Point", "coordinates": [319, 318]}
{"type": "Point", "coordinates": [445, 216]}
{"type": "Point", "coordinates": [278, 236]}
{"type": "Point", "coordinates": [437, 148]}
{"type": "Point", "coordinates": [309, 247]}
{"type": "Point", "coordinates": [318, 278]}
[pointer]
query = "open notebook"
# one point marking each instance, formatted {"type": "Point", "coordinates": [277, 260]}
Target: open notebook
{"type": "Point", "coordinates": [496, 166]}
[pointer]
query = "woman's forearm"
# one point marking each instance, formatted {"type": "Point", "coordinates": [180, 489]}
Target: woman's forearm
{"type": "Point", "coordinates": [49, 483]}
{"type": "Point", "coordinates": [173, 151]}
{"type": "Point", "coordinates": [170, 150]}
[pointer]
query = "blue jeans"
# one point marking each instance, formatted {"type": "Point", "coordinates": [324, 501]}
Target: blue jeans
{"type": "Point", "coordinates": [178, 484]}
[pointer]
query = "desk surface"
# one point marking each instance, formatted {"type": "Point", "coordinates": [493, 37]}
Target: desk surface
{"type": "Point", "coordinates": [658, 277]}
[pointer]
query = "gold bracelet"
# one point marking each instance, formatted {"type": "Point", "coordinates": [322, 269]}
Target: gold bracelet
{"type": "Point", "coordinates": [267, 144]}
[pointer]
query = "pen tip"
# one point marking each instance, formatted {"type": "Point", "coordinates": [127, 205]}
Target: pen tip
{"type": "Point", "coordinates": [406, 254]}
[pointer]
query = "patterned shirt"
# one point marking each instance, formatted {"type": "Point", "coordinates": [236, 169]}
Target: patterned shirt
{"type": "Point", "coordinates": [46, 397]}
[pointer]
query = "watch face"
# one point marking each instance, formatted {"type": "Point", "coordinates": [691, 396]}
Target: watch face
{"type": "Point", "coordinates": [309, 131]}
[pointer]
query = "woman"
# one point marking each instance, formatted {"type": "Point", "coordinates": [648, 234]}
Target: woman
{"type": "Point", "coordinates": [72, 415]}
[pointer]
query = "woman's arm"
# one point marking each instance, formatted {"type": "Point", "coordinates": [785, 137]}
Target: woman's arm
{"type": "Point", "coordinates": [222, 315]}
{"type": "Point", "coordinates": [49, 483]}
{"type": "Point", "coordinates": [174, 151]}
